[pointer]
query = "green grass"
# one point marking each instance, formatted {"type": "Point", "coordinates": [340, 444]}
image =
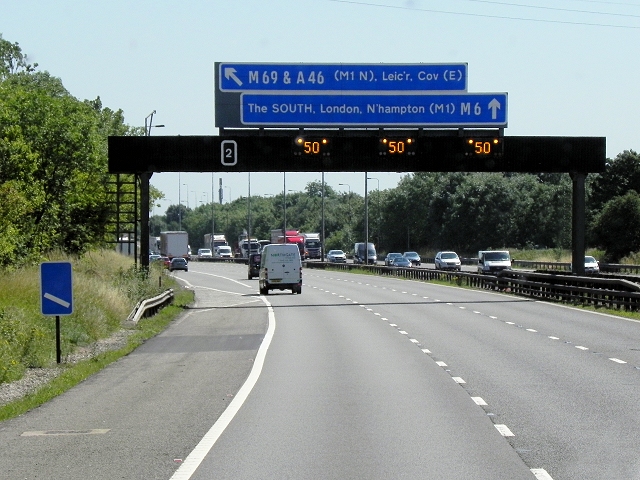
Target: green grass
{"type": "Point", "coordinates": [106, 288]}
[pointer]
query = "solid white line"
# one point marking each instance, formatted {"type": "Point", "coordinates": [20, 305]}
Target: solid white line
{"type": "Point", "coordinates": [201, 450]}
{"type": "Point", "coordinates": [541, 474]}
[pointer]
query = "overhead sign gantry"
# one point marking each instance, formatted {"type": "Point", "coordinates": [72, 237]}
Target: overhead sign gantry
{"type": "Point", "coordinates": [352, 95]}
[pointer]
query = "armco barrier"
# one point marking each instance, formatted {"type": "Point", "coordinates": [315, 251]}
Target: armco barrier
{"type": "Point", "coordinates": [613, 293]}
{"type": "Point", "coordinates": [150, 306]}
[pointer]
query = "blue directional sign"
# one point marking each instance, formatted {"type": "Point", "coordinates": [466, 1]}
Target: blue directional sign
{"type": "Point", "coordinates": [246, 77]}
{"type": "Point", "coordinates": [391, 110]}
{"type": "Point", "coordinates": [56, 288]}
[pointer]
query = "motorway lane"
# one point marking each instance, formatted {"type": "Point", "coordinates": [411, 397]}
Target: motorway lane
{"type": "Point", "coordinates": [141, 416]}
{"type": "Point", "coordinates": [552, 374]}
{"type": "Point", "coordinates": [341, 396]}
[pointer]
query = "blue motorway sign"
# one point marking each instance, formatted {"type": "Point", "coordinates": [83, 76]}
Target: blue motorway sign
{"type": "Point", "coordinates": [297, 77]}
{"type": "Point", "coordinates": [56, 288]}
{"type": "Point", "coordinates": [380, 110]}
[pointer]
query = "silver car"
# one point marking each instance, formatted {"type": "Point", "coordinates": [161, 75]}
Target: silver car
{"type": "Point", "coordinates": [336, 256]}
{"type": "Point", "coordinates": [447, 261]}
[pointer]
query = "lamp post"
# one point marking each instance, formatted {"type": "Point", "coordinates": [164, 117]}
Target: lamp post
{"type": "Point", "coordinates": [148, 123]}
{"type": "Point", "coordinates": [378, 188]}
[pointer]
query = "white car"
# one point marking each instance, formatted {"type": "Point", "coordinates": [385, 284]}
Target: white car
{"type": "Point", "coordinates": [447, 261]}
{"type": "Point", "coordinates": [204, 253]}
{"type": "Point", "coordinates": [336, 256]}
{"type": "Point", "coordinates": [591, 265]}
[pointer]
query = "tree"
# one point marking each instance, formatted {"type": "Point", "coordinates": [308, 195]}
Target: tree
{"type": "Point", "coordinates": [621, 175]}
{"type": "Point", "coordinates": [12, 60]}
{"type": "Point", "coordinates": [617, 228]}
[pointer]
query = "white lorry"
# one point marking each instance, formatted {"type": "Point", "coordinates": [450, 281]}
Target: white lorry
{"type": "Point", "coordinates": [493, 261]}
{"type": "Point", "coordinates": [174, 244]}
{"type": "Point", "coordinates": [312, 246]}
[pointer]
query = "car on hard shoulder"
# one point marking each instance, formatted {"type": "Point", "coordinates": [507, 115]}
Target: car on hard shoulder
{"type": "Point", "coordinates": [253, 265]}
{"type": "Point", "coordinates": [413, 257]}
{"type": "Point", "coordinates": [388, 260]}
{"type": "Point", "coordinates": [447, 261]}
{"type": "Point", "coordinates": [178, 263]}
{"type": "Point", "coordinates": [336, 256]}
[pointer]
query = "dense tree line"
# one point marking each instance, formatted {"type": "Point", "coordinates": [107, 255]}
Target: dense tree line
{"type": "Point", "coordinates": [54, 191]}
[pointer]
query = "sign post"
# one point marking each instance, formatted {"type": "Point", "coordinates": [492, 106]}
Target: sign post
{"type": "Point", "coordinates": [56, 294]}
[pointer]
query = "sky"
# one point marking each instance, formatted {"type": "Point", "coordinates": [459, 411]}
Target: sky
{"type": "Point", "coordinates": [569, 67]}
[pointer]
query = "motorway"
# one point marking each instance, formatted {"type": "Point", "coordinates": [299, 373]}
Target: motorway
{"type": "Point", "coordinates": [358, 377]}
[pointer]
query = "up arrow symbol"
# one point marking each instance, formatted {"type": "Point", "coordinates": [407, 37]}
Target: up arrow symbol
{"type": "Point", "coordinates": [230, 73]}
{"type": "Point", "coordinates": [494, 106]}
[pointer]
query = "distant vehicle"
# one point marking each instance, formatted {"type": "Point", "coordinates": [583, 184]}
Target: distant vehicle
{"type": "Point", "coordinates": [223, 251]}
{"type": "Point", "coordinates": [336, 256]}
{"type": "Point", "coordinates": [591, 265]}
{"type": "Point", "coordinates": [312, 245]}
{"type": "Point", "coordinates": [366, 255]}
{"type": "Point", "coordinates": [254, 265]}
{"type": "Point", "coordinates": [280, 269]}
{"type": "Point", "coordinates": [402, 262]}
{"type": "Point", "coordinates": [493, 261]}
{"type": "Point", "coordinates": [388, 260]}
{"type": "Point", "coordinates": [290, 236]}
{"type": "Point", "coordinates": [447, 261]}
{"type": "Point", "coordinates": [154, 256]}
{"type": "Point", "coordinates": [165, 261]}
{"type": "Point", "coordinates": [174, 244]}
{"type": "Point", "coordinates": [204, 253]}
{"type": "Point", "coordinates": [413, 257]}
{"type": "Point", "coordinates": [178, 263]}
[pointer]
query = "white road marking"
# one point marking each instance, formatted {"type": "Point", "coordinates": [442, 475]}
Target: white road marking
{"type": "Point", "coordinates": [554, 338]}
{"type": "Point", "coordinates": [504, 430]}
{"type": "Point", "coordinates": [426, 350]}
{"type": "Point", "coordinates": [376, 313]}
{"type": "Point", "coordinates": [441, 364]}
{"type": "Point", "coordinates": [510, 323]}
{"type": "Point", "coordinates": [393, 325]}
{"type": "Point", "coordinates": [479, 401]}
{"type": "Point", "coordinates": [458, 380]}
{"type": "Point", "coordinates": [541, 474]}
{"type": "Point", "coordinates": [193, 461]}
{"type": "Point", "coordinates": [384, 318]}
{"type": "Point", "coordinates": [414, 340]}
{"type": "Point", "coordinates": [580, 347]}
{"type": "Point", "coordinates": [617, 360]}
{"type": "Point", "coordinates": [403, 332]}
{"type": "Point", "coordinates": [479, 313]}
{"type": "Point", "coordinates": [491, 316]}
{"type": "Point", "coordinates": [532, 330]}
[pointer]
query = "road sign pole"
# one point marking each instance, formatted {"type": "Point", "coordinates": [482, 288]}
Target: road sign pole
{"type": "Point", "coordinates": [58, 352]}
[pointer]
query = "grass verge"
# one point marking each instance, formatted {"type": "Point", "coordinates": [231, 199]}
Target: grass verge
{"type": "Point", "coordinates": [76, 373]}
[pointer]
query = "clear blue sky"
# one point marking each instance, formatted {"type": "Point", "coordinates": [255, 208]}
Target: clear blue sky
{"type": "Point", "coordinates": [570, 67]}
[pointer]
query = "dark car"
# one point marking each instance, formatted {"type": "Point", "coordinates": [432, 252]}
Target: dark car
{"type": "Point", "coordinates": [413, 257]}
{"type": "Point", "coordinates": [388, 260]}
{"type": "Point", "coordinates": [254, 265]}
{"type": "Point", "coordinates": [402, 262]}
{"type": "Point", "coordinates": [178, 263]}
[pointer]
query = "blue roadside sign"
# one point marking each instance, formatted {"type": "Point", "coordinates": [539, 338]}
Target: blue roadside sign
{"type": "Point", "coordinates": [56, 288]}
{"type": "Point", "coordinates": [249, 77]}
{"type": "Point", "coordinates": [385, 110]}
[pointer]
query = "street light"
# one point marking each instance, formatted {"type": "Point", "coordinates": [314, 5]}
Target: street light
{"type": "Point", "coordinates": [372, 178]}
{"type": "Point", "coordinates": [148, 125]}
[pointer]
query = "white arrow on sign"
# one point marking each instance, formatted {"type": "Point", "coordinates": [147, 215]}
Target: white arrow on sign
{"type": "Point", "coordinates": [494, 105]}
{"type": "Point", "coordinates": [230, 73]}
{"type": "Point", "coordinates": [57, 300]}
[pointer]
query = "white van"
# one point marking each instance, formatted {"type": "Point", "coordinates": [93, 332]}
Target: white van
{"type": "Point", "coordinates": [280, 268]}
{"type": "Point", "coordinates": [493, 261]}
